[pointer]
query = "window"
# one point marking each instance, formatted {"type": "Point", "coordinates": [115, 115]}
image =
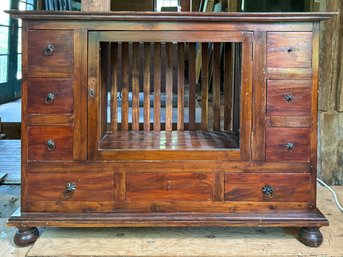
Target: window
{"type": "Point", "coordinates": [165, 3]}
{"type": "Point", "coordinates": [4, 33]}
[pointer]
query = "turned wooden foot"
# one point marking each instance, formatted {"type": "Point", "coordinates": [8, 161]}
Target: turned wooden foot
{"type": "Point", "coordinates": [310, 236]}
{"type": "Point", "coordinates": [26, 236]}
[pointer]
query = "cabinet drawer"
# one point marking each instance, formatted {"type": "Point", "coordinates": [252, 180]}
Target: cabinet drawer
{"type": "Point", "coordinates": [267, 187]}
{"type": "Point", "coordinates": [50, 143]}
{"type": "Point", "coordinates": [169, 186]}
{"type": "Point", "coordinates": [50, 96]}
{"type": "Point", "coordinates": [289, 97]}
{"type": "Point", "coordinates": [288, 144]}
{"type": "Point", "coordinates": [50, 53]}
{"type": "Point", "coordinates": [289, 49]}
{"type": "Point", "coordinates": [70, 187]}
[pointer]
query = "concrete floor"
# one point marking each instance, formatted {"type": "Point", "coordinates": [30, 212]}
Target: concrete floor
{"type": "Point", "coordinates": [11, 112]}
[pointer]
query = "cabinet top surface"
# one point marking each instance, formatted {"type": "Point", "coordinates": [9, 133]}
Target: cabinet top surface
{"type": "Point", "coordinates": [172, 16]}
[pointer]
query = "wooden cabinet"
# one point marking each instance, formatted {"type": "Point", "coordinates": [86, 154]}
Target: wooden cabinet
{"type": "Point", "coordinates": [152, 119]}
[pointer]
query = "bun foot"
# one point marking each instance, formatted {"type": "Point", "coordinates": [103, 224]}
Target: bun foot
{"type": "Point", "coordinates": [26, 236]}
{"type": "Point", "coordinates": [310, 236]}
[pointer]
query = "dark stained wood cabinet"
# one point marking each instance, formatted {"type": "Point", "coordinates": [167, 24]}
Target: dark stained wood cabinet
{"type": "Point", "coordinates": [164, 119]}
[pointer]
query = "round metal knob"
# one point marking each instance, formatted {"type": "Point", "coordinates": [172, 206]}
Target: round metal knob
{"type": "Point", "coordinates": [268, 191]}
{"type": "Point", "coordinates": [49, 50]}
{"type": "Point", "coordinates": [290, 146]}
{"type": "Point", "coordinates": [50, 97]}
{"type": "Point", "coordinates": [291, 49]}
{"type": "Point", "coordinates": [70, 188]}
{"type": "Point", "coordinates": [51, 145]}
{"type": "Point", "coordinates": [289, 98]}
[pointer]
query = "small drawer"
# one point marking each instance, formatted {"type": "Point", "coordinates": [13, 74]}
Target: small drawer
{"type": "Point", "coordinates": [66, 186]}
{"type": "Point", "coordinates": [169, 187]}
{"type": "Point", "coordinates": [50, 143]}
{"type": "Point", "coordinates": [50, 96]}
{"type": "Point", "coordinates": [289, 97]}
{"type": "Point", "coordinates": [288, 144]}
{"type": "Point", "coordinates": [289, 49]}
{"type": "Point", "coordinates": [50, 53]}
{"type": "Point", "coordinates": [267, 187]}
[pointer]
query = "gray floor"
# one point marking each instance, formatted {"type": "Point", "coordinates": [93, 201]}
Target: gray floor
{"type": "Point", "coordinates": [11, 112]}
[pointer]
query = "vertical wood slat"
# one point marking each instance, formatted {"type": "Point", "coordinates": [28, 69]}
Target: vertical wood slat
{"type": "Point", "coordinates": [204, 87]}
{"type": "Point", "coordinates": [104, 80]}
{"type": "Point", "coordinates": [169, 87]}
{"type": "Point", "coordinates": [180, 88]}
{"type": "Point", "coordinates": [228, 86]}
{"type": "Point", "coordinates": [157, 86]}
{"type": "Point", "coordinates": [192, 78]}
{"type": "Point", "coordinates": [125, 87]}
{"type": "Point", "coordinates": [146, 86]}
{"type": "Point", "coordinates": [114, 87]}
{"type": "Point", "coordinates": [135, 87]}
{"type": "Point", "coordinates": [216, 87]}
{"type": "Point", "coordinates": [237, 88]}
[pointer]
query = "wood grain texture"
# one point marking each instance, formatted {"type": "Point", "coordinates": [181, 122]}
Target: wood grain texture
{"type": "Point", "coordinates": [157, 86]}
{"type": "Point", "coordinates": [204, 86]}
{"type": "Point", "coordinates": [135, 87]}
{"type": "Point", "coordinates": [299, 92]}
{"type": "Point", "coordinates": [278, 138]}
{"type": "Point", "coordinates": [125, 87]}
{"type": "Point", "coordinates": [114, 86]}
{"type": "Point", "coordinates": [96, 6]}
{"type": "Point", "coordinates": [169, 86]}
{"type": "Point", "coordinates": [192, 82]}
{"type": "Point", "coordinates": [146, 85]}
{"type": "Point", "coordinates": [216, 87]}
{"type": "Point", "coordinates": [291, 49]}
{"type": "Point", "coordinates": [181, 87]}
{"type": "Point", "coordinates": [60, 63]}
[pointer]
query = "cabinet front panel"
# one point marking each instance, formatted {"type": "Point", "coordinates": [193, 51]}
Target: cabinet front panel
{"type": "Point", "coordinates": [169, 186]}
{"type": "Point", "coordinates": [288, 144]}
{"type": "Point", "coordinates": [50, 53]}
{"type": "Point", "coordinates": [47, 143]}
{"type": "Point", "coordinates": [289, 97]}
{"type": "Point", "coordinates": [289, 49]}
{"type": "Point", "coordinates": [267, 187]}
{"type": "Point", "coordinates": [50, 96]}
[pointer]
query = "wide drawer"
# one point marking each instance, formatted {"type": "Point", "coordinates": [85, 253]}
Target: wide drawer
{"type": "Point", "coordinates": [289, 49]}
{"type": "Point", "coordinates": [288, 144]}
{"type": "Point", "coordinates": [267, 187]}
{"type": "Point", "coordinates": [50, 53]}
{"type": "Point", "coordinates": [169, 187]}
{"type": "Point", "coordinates": [50, 96]}
{"type": "Point", "coordinates": [289, 97]}
{"type": "Point", "coordinates": [50, 143]}
{"type": "Point", "coordinates": [70, 186]}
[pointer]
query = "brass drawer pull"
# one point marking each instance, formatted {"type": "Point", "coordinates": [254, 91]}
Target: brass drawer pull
{"type": "Point", "coordinates": [289, 98]}
{"type": "Point", "coordinates": [70, 188]}
{"type": "Point", "coordinates": [268, 192]}
{"type": "Point", "coordinates": [49, 50]}
{"type": "Point", "coordinates": [290, 146]}
{"type": "Point", "coordinates": [51, 145]}
{"type": "Point", "coordinates": [49, 99]}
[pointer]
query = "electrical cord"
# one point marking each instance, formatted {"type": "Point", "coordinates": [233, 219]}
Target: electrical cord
{"type": "Point", "coordinates": [333, 192]}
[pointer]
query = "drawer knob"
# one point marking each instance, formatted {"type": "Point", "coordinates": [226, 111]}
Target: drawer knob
{"type": "Point", "coordinates": [51, 145]}
{"type": "Point", "coordinates": [289, 98]}
{"type": "Point", "coordinates": [69, 190]}
{"type": "Point", "coordinates": [268, 191]}
{"type": "Point", "coordinates": [291, 49]}
{"type": "Point", "coordinates": [49, 50]}
{"type": "Point", "coordinates": [290, 146]}
{"type": "Point", "coordinates": [50, 97]}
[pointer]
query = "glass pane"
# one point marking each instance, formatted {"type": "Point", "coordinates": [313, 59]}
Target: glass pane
{"type": "Point", "coordinates": [22, 6]}
{"type": "Point", "coordinates": [19, 41]}
{"type": "Point", "coordinates": [31, 2]}
{"type": "Point", "coordinates": [29, 7]}
{"type": "Point", "coordinates": [3, 68]}
{"type": "Point", "coordinates": [3, 40]}
{"type": "Point", "coordinates": [4, 17]}
{"type": "Point", "coordinates": [19, 75]}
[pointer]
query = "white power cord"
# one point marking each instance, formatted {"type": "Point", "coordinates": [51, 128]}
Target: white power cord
{"type": "Point", "coordinates": [333, 192]}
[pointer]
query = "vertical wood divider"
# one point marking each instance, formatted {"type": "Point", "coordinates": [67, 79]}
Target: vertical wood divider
{"type": "Point", "coordinates": [192, 80]}
{"type": "Point", "coordinates": [216, 87]}
{"type": "Point", "coordinates": [204, 87]}
{"type": "Point", "coordinates": [114, 87]}
{"type": "Point", "coordinates": [181, 88]}
{"type": "Point", "coordinates": [146, 86]}
{"type": "Point", "coordinates": [135, 87]}
{"type": "Point", "coordinates": [157, 86]}
{"type": "Point", "coordinates": [228, 79]}
{"type": "Point", "coordinates": [125, 87]}
{"type": "Point", "coordinates": [169, 87]}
